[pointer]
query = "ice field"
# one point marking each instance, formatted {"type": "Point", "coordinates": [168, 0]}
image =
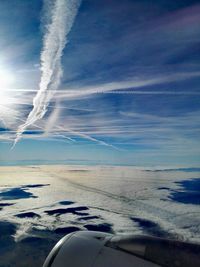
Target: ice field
{"type": "Point", "coordinates": [40, 204]}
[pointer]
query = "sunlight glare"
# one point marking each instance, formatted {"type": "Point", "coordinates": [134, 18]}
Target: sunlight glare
{"type": "Point", "coordinates": [6, 81]}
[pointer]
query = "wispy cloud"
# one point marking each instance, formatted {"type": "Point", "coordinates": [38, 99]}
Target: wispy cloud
{"type": "Point", "coordinates": [88, 137]}
{"type": "Point", "coordinates": [55, 39]}
{"type": "Point", "coordinates": [133, 84]}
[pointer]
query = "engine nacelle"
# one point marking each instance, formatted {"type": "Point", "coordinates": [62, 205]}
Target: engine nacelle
{"type": "Point", "coordinates": [96, 249]}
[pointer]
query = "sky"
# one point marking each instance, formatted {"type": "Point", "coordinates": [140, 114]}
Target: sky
{"type": "Point", "coordinates": [100, 82]}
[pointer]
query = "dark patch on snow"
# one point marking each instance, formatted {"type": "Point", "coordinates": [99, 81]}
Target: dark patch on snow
{"type": "Point", "coordinates": [74, 210]}
{"type": "Point", "coordinates": [104, 227]}
{"type": "Point", "coordinates": [66, 230]}
{"type": "Point", "coordinates": [151, 227]}
{"type": "Point", "coordinates": [66, 202]}
{"type": "Point", "coordinates": [28, 215]}
{"type": "Point", "coordinates": [15, 193]}
{"type": "Point", "coordinates": [189, 193]}
{"type": "Point", "coordinates": [35, 185]}
{"type": "Point", "coordinates": [87, 218]}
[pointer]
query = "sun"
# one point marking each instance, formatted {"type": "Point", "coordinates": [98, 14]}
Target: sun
{"type": "Point", "coordinates": [6, 83]}
{"type": "Point", "coordinates": [6, 79]}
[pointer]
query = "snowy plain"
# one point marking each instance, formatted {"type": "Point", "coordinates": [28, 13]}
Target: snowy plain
{"type": "Point", "coordinates": [40, 204]}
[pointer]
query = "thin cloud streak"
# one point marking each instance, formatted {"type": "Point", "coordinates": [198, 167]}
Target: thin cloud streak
{"type": "Point", "coordinates": [55, 39]}
{"type": "Point", "coordinates": [115, 87]}
{"type": "Point", "coordinates": [135, 86]}
{"type": "Point", "coordinates": [88, 137]}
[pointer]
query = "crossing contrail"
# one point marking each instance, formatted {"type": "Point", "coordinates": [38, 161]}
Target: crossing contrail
{"type": "Point", "coordinates": [61, 15]}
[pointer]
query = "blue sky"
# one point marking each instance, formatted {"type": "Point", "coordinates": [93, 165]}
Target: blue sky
{"type": "Point", "coordinates": [129, 92]}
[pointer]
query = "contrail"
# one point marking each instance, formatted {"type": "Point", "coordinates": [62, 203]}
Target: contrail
{"type": "Point", "coordinates": [89, 138]}
{"type": "Point", "coordinates": [61, 15]}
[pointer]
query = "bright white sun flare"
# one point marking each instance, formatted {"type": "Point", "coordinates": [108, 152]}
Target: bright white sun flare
{"type": "Point", "coordinates": [6, 82]}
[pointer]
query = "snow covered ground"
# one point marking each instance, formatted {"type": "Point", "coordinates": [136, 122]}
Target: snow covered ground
{"type": "Point", "coordinates": [40, 204]}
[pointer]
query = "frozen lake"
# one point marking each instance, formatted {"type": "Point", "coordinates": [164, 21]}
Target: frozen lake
{"type": "Point", "coordinates": [40, 204]}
